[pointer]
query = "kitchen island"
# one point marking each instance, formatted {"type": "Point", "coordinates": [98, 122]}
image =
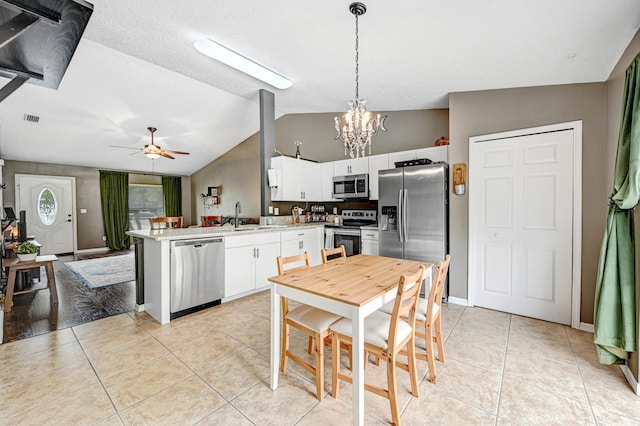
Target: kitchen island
{"type": "Point", "coordinates": [248, 259]}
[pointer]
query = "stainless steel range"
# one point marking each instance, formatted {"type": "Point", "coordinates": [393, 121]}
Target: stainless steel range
{"type": "Point", "coordinates": [348, 232]}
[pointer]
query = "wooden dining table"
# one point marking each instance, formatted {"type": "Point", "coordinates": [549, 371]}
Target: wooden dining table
{"type": "Point", "coordinates": [352, 287]}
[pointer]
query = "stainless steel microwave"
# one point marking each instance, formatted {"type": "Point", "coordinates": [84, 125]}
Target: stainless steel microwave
{"type": "Point", "coordinates": [352, 186]}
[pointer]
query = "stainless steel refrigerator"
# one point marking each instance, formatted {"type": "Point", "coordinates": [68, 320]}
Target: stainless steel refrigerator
{"type": "Point", "coordinates": [413, 208]}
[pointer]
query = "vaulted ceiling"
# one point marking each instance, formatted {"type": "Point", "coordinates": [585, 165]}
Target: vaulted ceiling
{"type": "Point", "coordinates": [136, 67]}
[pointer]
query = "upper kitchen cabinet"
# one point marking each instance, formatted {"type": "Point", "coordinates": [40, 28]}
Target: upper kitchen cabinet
{"type": "Point", "coordinates": [326, 182]}
{"type": "Point", "coordinates": [376, 163]}
{"type": "Point", "coordinates": [435, 153]}
{"type": "Point", "coordinates": [297, 180]}
{"type": "Point", "coordinates": [352, 166]}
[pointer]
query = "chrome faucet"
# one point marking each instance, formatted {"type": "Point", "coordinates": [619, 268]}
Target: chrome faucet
{"type": "Point", "coordinates": [238, 210]}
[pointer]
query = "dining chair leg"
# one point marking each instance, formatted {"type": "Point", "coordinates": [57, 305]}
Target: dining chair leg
{"type": "Point", "coordinates": [413, 371]}
{"type": "Point", "coordinates": [439, 339]}
{"type": "Point", "coordinates": [310, 345]}
{"type": "Point", "coordinates": [393, 390]}
{"type": "Point", "coordinates": [428, 343]}
{"type": "Point", "coordinates": [319, 366]}
{"type": "Point", "coordinates": [285, 346]}
{"type": "Point", "coordinates": [335, 364]}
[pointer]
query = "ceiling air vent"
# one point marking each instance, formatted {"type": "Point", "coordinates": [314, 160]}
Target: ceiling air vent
{"type": "Point", "coordinates": [32, 118]}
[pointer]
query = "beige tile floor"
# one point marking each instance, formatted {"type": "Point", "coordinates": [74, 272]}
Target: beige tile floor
{"type": "Point", "coordinates": [213, 367]}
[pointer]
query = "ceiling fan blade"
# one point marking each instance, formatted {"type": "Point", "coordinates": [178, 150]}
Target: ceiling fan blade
{"type": "Point", "coordinates": [136, 153]}
{"type": "Point", "coordinates": [164, 154]}
{"type": "Point", "coordinates": [176, 152]}
{"type": "Point", "coordinates": [125, 147]}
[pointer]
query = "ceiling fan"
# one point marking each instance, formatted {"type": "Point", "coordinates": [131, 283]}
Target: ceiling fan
{"type": "Point", "coordinates": [154, 151]}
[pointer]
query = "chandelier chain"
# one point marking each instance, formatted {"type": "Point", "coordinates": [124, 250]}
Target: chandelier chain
{"type": "Point", "coordinates": [357, 39]}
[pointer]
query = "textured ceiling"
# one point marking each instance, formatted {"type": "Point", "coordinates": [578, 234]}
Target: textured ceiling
{"type": "Point", "coordinates": [136, 67]}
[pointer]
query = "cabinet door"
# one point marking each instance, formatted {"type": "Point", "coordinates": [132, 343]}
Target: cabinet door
{"type": "Point", "coordinates": [401, 156]}
{"type": "Point", "coordinates": [291, 248]}
{"type": "Point", "coordinates": [436, 153]}
{"type": "Point", "coordinates": [239, 270]}
{"type": "Point", "coordinates": [376, 163]}
{"type": "Point", "coordinates": [266, 263]}
{"type": "Point", "coordinates": [310, 180]}
{"type": "Point", "coordinates": [370, 247]}
{"type": "Point", "coordinates": [351, 167]}
{"type": "Point", "coordinates": [326, 182]}
{"type": "Point", "coordinates": [313, 242]}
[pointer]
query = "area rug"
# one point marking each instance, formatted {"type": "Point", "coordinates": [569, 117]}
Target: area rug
{"type": "Point", "coordinates": [104, 270]}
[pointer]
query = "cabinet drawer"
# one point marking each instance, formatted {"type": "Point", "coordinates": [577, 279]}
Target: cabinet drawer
{"type": "Point", "coordinates": [297, 234]}
{"type": "Point", "coordinates": [369, 234]}
{"type": "Point", "coordinates": [251, 239]}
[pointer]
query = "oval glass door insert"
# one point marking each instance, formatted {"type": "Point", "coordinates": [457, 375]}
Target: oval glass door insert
{"type": "Point", "coordinates": [47, 206]}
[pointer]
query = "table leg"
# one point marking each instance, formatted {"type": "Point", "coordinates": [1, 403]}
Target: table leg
{"type": "Point", "coordinates": [11, 282]}
{"type": "Point", "coordinates": [274, 363]}
{"type": "Point", "coordinates": [51, 282]}
{"type": "Point", "coordinates": [358, 367]}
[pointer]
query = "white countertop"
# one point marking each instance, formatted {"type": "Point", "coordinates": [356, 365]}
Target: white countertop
{"type": "Point", "coordinates": [214, 231]}
{"type": "Point", "coordinates": [370, 227]}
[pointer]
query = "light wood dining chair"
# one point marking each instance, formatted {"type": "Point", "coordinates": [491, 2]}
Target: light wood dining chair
{"type": "Point", "coordinates": [312, 321]}
{"type": "Point", "coordinates": [165, 222]}
{"type": "Point", "coordinates": [332, 254]}
{"type": "Point", "coordinates": [385, 336]}
{"type": "Point", "coordinates": [429, 318]}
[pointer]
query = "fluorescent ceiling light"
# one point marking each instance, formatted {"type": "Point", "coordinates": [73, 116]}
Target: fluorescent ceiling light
{"type": "Point", "coordinates": [227, 56]}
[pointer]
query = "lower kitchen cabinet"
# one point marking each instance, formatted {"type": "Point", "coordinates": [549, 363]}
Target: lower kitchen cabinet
{"type": "Point", "coordinates": [249, 261]}
{"type": "Point", "coordinates": [369, 241]}
{"type": "Point", "coordinates": [300, 240]}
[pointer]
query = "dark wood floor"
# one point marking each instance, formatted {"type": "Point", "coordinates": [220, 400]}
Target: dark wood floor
{"type": "Point", "coordinates": [33, 313]}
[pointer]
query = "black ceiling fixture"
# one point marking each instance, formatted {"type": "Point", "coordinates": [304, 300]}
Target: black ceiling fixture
{"type": "Point", "coordinates": [38, 39]}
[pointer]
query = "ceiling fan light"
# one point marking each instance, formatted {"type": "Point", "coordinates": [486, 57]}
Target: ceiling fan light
{"type": "Point", "coordinates": [152, 155]}
{"type": "Point", "coordinates": [235, 60]}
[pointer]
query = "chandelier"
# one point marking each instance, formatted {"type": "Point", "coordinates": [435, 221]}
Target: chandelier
{"type": "Point", "coordinates": [359, 126]}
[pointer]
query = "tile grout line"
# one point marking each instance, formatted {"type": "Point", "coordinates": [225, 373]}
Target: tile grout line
{"type": "Point", "coordinates": [504, 368]}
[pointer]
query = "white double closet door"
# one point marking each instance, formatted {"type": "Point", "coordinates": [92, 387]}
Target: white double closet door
{"type": "Point", "coordinates": [521, 223]}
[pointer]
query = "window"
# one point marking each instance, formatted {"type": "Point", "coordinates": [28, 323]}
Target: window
{"type": "Point", "coordinates": [47, 206]}
{"type": "Point", "coordinates": [145, 201]}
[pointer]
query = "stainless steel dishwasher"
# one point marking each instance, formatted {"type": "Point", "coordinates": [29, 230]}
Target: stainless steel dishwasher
{"type": "Point", "coordinates": [197, 275]}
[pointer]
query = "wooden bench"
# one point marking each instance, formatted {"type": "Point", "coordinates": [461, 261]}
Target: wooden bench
{"type": "Point", "coordinates": [15, 265]}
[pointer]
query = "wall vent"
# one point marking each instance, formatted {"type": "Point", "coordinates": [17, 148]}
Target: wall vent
{"type": "Point", "coordinates": [32, 118]}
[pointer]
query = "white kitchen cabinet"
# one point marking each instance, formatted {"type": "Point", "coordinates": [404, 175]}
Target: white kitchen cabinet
{"type": "Point", "coordinates": [298, 241]}
{"type": "Point", "coordinates": [297, 180]}
{"type": "Point", "coordinates": [401, 156]}
{"type": "Point", "coordinates": [249, 261]}
{"type": "Point", "coordinates": [352, 166]}
{"type": "Point", "coordinates": [434, 153]}
{"type": "Point", "coordinates": [326, 182]}
{"type": "Point", "coordinates": [376, 163]}
{"type": "Point", "coordinates": [369, 241]}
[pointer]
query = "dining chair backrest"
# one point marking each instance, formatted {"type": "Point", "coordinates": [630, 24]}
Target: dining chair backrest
{"type": "Point", "coordinates": [165, 222]}
{"type": "Point", "coordinates": [298, 258]}
{"type": "Point", "coordinates": [333, 254]}
{"type": "Point", "coordinates": [406, 303]}
{"type": "Point", "coordinates": [211, 221]}
{"type": "Point", "coordinates": [437, 286]}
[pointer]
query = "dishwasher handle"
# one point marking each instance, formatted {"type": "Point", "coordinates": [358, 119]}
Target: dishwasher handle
{"type": "Point", "coordinates": [198, 243]}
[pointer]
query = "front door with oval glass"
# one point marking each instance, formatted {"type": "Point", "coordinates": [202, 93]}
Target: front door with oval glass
{"type": "Point", "coordinates": [48, 202]}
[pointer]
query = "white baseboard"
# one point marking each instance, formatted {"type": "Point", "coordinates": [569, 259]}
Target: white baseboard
{"type": "Point", "coordinates": [457, 301]}
{"type": "Point", "coordinates": [585, 326]}
{"type": "Point", "coordinates": [93, 250]}
{"type": "Point", "coordinates": [632, 380]}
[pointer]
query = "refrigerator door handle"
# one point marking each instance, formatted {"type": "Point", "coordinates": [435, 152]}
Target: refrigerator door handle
{"type": "Point", "coordinates": [399, 218]}
{"type": "Point", "coordinates": [404, 216]}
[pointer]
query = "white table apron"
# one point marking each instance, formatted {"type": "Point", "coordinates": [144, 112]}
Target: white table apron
{"type": "Point", "coordinates": [355, 313]}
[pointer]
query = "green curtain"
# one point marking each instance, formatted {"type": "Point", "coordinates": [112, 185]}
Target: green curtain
{"type": "Point", "coordinates": [114, 194]}
{"type": "Point", "coordinates": [614, 309]}
{"type": "Point", "coordinates": [172, 190]}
